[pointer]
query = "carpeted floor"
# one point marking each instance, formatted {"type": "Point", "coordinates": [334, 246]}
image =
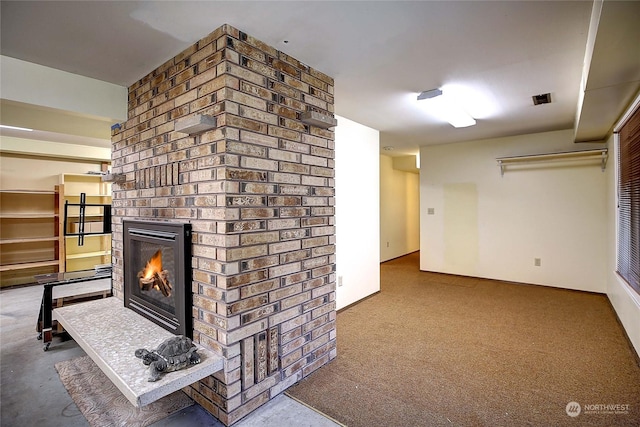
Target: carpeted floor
{"type": "Point", "coordinates": [433, 349]}
{"type": "Point", "coordinates": [103, 405]}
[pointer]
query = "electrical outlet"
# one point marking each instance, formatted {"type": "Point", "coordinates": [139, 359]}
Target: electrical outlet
{"type": "Point", "coordinates": [537, 262]}
{"type": "Point", "coordinates": [339, 281]}
{"type": "Point", "coordinates": [387, 244]}
{"type": "Point", "coordinates": [431, 211]}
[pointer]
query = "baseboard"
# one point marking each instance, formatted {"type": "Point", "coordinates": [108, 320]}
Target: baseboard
{"type": "Point", "coordinates": [358, 302]}
{"type": "Point", "coordinates": [399, 256]}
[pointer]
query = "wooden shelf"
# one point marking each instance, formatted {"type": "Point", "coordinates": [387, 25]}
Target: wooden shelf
{"type": "Point", "coordinates": [27, 265]}
{"type": "Point", "coordinates": [27, 215]}
{"type": "Point", "coordinates": [29, 240]}
{"type": "Point", "coordinates": [88, 235]}
{"type": "Point", "coordinates": [87, 194]}
{"type": "Point", "coordinates": [43, 192]}
{"type": "Point", "coordinates": [86, 215]}
{"type": "Point", "coordinates": [89, 254]}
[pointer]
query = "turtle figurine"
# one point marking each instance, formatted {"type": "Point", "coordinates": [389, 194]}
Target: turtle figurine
{"type": "Point", "coordinates": [172, 354]}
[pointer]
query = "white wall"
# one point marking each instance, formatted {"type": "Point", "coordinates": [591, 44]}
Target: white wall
{"type": "Point", "coordinates": [357, 172]}
{"type": "Point", "coordinates": [485, 225]}
{"type": "Point", "coordinates": [624, 299]}
{"type": "Point", "coordinates": [399, 211]}
{"type": "Point", "coordinates": [38, 85]}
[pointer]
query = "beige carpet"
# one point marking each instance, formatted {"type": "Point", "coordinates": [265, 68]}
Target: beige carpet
{"type": "Point", "coordinates": [439, 350]}
{"type": "Point", "coordinates": [101, 402]}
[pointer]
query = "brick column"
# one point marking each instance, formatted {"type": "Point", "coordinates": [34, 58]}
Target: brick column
{"type": "Point", "coordinates": [259, 192]}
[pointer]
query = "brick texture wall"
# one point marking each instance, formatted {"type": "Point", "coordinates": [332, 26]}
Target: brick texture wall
{"type": "Point", "coordinates": [259, 193]}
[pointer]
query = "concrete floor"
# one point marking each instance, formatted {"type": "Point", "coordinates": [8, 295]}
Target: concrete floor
{"type": "Point", "coordinates": [31, 392]}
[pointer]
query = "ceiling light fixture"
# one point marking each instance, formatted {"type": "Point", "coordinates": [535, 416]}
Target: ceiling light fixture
{"type": "Point", "coordinates": [443, 107]}
{"type": "Point", "coordinates": [16, 128]}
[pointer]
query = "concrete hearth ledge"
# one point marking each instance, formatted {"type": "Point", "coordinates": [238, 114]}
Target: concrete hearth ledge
{"type": "Point", "coordinates": [110, 334]}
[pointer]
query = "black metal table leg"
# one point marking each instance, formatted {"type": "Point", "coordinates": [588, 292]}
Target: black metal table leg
{"type": "Point", "coordinates": [47, 316]}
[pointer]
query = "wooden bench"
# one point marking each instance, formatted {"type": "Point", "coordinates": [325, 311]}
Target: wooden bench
{"type": "Point", "coordinates": [110, 333]}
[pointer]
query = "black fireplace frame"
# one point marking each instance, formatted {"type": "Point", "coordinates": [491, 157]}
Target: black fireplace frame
{"type": "Point", "coordinates": [178, 236]}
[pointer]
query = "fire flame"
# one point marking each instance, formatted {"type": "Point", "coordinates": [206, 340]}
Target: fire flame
{"type": "Point", "coordinates": [154, 265]}
{"type": "Point", "coordinates": [154, 277]}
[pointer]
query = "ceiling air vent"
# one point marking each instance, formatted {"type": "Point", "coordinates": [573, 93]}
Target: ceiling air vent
{"type": "Point", "coordinates": [545, 98]}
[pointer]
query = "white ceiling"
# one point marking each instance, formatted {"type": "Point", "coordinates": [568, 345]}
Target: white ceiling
{"type": "Point", "coordinates": [381, 53]}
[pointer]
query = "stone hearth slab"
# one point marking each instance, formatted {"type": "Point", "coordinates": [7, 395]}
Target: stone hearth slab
{"type": "Point", "coordinates": [82, 289]}
{"type": "Point", "coordinates": [110, 333]}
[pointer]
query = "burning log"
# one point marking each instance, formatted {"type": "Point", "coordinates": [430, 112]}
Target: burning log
{"type": "Point", "coordinates": [159, 281]}
{"type": "Point", "coordinates": [154, 277]}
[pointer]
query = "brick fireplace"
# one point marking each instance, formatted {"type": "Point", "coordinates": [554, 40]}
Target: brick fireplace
{"type": "Point", "coordinates": [258, 192]}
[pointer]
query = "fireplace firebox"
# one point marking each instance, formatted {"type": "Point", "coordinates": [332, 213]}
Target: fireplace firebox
{"type": "Point", "coordinates": [157, 273]}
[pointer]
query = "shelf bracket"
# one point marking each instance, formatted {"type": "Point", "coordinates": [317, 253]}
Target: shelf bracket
{"type": "Point", "coordinates": [501, 168]}
{"type": "Point", "coordinates": [604, 158]}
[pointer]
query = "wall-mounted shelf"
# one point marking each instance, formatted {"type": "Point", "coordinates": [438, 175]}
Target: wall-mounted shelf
{"type": "Point", "coordinates": [599, 155]}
